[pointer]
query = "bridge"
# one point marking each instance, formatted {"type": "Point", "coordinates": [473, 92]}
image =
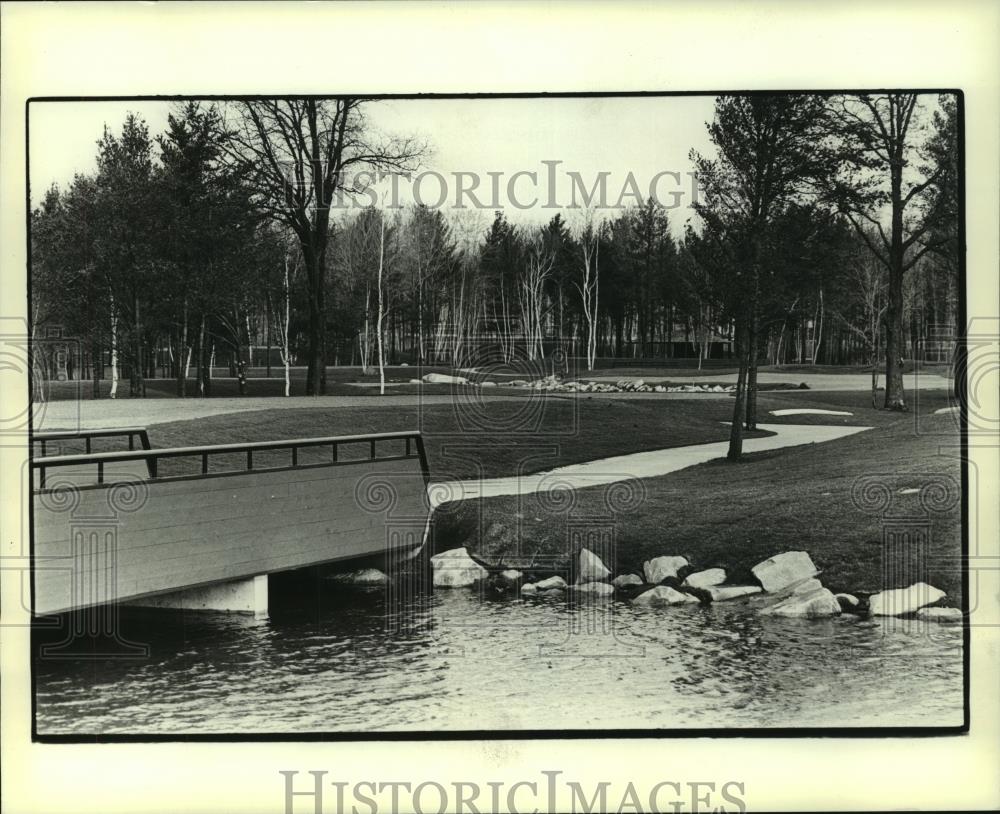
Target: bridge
{"type": "Point", "coordinates": [203, 527]}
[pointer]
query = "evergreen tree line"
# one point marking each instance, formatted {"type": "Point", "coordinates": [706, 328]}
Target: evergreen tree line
{"type": "Point", "coordinates": [825, 232]}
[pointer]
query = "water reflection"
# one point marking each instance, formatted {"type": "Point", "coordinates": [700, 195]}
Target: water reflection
{"type": "Point", "coordinates": [338, 659]}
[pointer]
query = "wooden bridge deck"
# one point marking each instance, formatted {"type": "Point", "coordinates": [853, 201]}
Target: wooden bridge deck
{"type": "Point", "coordinates": [103, 535]}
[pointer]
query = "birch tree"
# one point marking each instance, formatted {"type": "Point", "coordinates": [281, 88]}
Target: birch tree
{"type": "Point", "coordinates": [588, 285]}
{"type": "Point", "coordinates": [538, 263]}
{"type": "Point", "coordinates": [864, 318]}
{"type": "Point", "coordinates": [884, 172]}
{"type": "Point", "coordinates": [303, 155]}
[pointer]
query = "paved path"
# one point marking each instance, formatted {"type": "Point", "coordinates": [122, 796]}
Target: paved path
{"type": "Point", "coordinates": [636, 465]}
{"type": "Point", "coordinates": [144, 412]}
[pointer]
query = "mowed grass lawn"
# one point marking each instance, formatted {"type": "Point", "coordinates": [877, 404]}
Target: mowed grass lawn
{"type": "Point", "coordinates": [718, 513]}
{"type": "Point", "coordinates": [476, 437]}
{"type": "Point", "coordinates": [339, 382]}
{"type": "Point", "coordinates": [736, 515]}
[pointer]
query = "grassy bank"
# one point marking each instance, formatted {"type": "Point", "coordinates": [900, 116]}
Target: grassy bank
{"type": "Point", "coordinates": [736, 515]}
{"type": "Point", "coordinates": [733, 515]}
{"type": "Point", "coordinates": [486, 438]}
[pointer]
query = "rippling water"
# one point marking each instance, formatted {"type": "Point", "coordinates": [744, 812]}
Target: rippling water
{"type": "Point", "coordinates": [336, 659]}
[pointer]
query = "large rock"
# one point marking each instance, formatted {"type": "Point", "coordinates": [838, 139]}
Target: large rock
{"type": "Point", "coordinates": [488, 384]}
{"type": "Point", "coordinates": [706, 579]}
{"type": "Point", "coordinates": [366, 576]}
{"type": "Point", "coordinates": [591, 567]}
{"type": "Point", "coordinates": [806, 586]}
{"type": "Point", "coordinates": [443, 378]}
{"type": "Point", "coordinates": [511, 575]}
{"type": "Point", "coordinates": [659, 568]}
{"type": "Point", "coordinates": [596, 588]}
{"type": "Point", "coordinates": [550, 583]}
{"type": "Point", "coordinates": [663, 595]}
{"type": "Point", "coordinates": [722, 593]}
{"type": "Point", "coordinates": [945, 616]}
{"type": "Point", "coordinates": [456, 569]}
{"type": "Point", "coordinates": [783, 570]}
{"type": "Point", "coordinates": [904, 600]}
{"type": "Point", "coordinates": [529, 590]}
{"type": "Point", "coordinates": [814, 604]}
{"type": "Point", "coordinates": [625, 580]}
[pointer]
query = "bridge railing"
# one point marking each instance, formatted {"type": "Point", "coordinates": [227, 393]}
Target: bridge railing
{"type": "Point", "coordinates": [413, 448]}
{"type": "Point", "coordinates": [40, 441]}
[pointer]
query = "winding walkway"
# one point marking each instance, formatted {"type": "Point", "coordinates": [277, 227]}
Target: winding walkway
{"type": "Point", "coordinates": [649, 464]}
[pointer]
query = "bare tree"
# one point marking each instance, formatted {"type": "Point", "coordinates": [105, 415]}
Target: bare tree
{"type": "Point", "coordinates": [279, 313]}
{"type": "Point", "coordinates": [298, 153]}
{"type": "Point", "coordinates": [539, 261]}
{"type": "Point", "coordinates": [588, 285]}
{"type": "Point", "coordinates": [881, 139]}
{"type": "Point", "coordinates": [868, 291]}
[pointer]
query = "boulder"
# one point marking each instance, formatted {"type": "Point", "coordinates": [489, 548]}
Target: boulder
{"type": "Point", "coordinates": [444, 378]}
{"type": "Point", "coordinates": [706, 579]}
{"type": "Point", "coordinates": [555, 592]}
{"type": "Point", "coordinates": [529, 590]}
{"type": "Point", "coordinates": [784, 570]}
{"type": "Point", "coordinates": [904, 600]}
{"type": "Point", "coordinates": [815, 604]}
{"type": "Point", "coordinates": [592, 569]}
{"type": "Point", "coordinates": [366, 576]}
{"type": "Point", "coordinates": [625, 580]}
{"type": "Point", "coordinates": [488, 384]}
{"type": "Point", "coordinates": [416, 381]}
{"type": "Point", "coordinates": [511, 575]}
{"type": "Point", "coordinates": [659, 568]}
{"type": "Point", "coordinates": [663, 595]}
{"type": "Point", "coordinates": [550, 583]}
{"type": "Point", "coordinates": [456, 569]}
{"type": "Point", "coordinates": [945, 616]}
{"type": "Point", "coordinates": [597, 588]}
{"type": "Point", "coordinates": [722, 593]}
{"type": "Point", "coordinates": [804, 587]}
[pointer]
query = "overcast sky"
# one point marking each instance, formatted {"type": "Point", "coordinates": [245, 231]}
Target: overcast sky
{"type": "Point", "coordinates": [644, 136]}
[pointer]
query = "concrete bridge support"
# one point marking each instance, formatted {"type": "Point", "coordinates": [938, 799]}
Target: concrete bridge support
{"type": "Point", "coordinates": [237, 596]}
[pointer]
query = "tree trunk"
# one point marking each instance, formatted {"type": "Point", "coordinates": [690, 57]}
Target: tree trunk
{"type": "Point", "coordinates": [736, 428]}
{"type": "Point", "coordinates": [135, 368]}
{"type": "Point", "coordinates": [381, 263]}
{"type": "Point", "coordinates": [286, 355]}
{"type": "Point", "coordinates": [114, 350]}
{"type": "Point", "coordinates": [751, 386]}
{"type": "Point", "coordinates": [204, 371]}
{"type": "Point", "coordinates": [96, 362]}
{"type": "Point", "coordinates": [183, 349]}
{"type": "Point", "coordinates": [894, 395]}
{"type": "Point", "coordinates": [316, 363]}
